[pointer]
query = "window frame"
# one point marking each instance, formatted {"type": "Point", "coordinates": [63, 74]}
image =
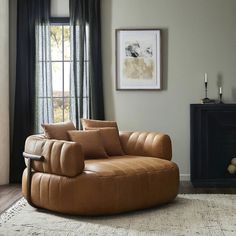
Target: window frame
{"type": "Point", "coordinates": [59, 20]}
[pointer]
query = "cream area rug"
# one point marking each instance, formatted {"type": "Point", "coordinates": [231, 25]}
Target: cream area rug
{"type": "Point", "coordinates": [189, 214]}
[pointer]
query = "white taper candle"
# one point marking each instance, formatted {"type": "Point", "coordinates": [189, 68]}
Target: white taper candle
{"type": "Point", "coordinates": [220, 90]}
{"type": "Point", "coordinates": [205, 77]}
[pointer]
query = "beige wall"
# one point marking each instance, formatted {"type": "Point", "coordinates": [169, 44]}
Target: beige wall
{"type": "Point", "coordinates": [60, 8]}
{"type": "Point", "coordinates": [4, 94]}
{"type": "Point", "coordinates": [198, 36]}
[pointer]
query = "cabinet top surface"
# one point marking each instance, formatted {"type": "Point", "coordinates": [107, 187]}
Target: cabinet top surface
{"type": "Point", "coordinates": [213, 105]}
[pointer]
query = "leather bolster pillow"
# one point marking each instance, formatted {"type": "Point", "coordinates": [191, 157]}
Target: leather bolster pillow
{"type": "Point", "coordinates": [150, 144]}
{"type": "Point", "coordinates": [60, 157]}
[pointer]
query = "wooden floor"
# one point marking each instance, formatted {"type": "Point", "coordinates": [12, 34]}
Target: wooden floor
{"type": "Point", "coordinates": [11, 193]}
{"type": "Point", "coordinates": [8, 195]}
{"type": "Point", "coordinates": [186, 187]}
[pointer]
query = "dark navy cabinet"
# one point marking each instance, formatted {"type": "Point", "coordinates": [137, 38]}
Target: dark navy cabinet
{"type": "Point", "coordinates": [213, 144]}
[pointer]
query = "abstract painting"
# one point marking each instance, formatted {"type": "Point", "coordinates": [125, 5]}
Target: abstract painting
{"type": "Point", "coordinates": [138, 59]}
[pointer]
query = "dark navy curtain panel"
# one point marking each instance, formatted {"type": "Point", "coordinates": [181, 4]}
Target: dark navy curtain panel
{"type": "Point", "coordinates": [29, 13]}
{"type": "Point", "coordinates": [86, 67]}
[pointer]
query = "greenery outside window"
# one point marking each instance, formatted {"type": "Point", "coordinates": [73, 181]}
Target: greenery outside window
{"type": "Point", "coordinates": [60, 61]}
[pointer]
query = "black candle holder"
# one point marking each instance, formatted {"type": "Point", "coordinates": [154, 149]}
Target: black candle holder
{"type": "Point", "coordinates": [220, 101]}
{"type": "Point", "coordinates": [206, 99]}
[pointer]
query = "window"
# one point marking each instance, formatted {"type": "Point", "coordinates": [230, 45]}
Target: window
{"type": "Point", "coordinates": [62, 78]}
{"type": "Point", "coordinates": [60, 62]}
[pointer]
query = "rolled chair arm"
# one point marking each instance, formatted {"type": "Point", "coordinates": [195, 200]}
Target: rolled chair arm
{"type": "Point", "coordinates": [146, 144]}
{"type": "Point", "coordinates": [57, 156]}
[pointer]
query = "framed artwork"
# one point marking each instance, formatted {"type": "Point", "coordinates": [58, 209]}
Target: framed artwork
{"type": "Point", "coordinates": [138, 59]}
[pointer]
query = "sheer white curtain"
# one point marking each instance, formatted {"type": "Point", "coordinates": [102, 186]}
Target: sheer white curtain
{"type": "Point", "coordinates": [79, 73]}
{"type": "Point", "coordinates": [44, 92]}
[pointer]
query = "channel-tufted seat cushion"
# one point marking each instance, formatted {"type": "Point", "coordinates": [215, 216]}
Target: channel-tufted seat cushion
{"type": "Point", "coordinates": [143, 177]}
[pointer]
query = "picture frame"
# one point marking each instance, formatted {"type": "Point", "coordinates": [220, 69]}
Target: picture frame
{"type": "Point", "coordinates": [138, 59]}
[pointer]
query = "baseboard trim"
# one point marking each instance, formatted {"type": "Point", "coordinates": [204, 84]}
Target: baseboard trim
{"type": "Point", "coordinates": [184, 177]}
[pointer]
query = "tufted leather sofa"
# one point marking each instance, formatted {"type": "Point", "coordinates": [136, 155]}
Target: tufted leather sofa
{"type": "Point", "coordinates": [62, 181]}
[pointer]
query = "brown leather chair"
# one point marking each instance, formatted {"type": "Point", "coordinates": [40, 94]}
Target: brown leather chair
{"type": "Point", "coordinates": [59, 179]}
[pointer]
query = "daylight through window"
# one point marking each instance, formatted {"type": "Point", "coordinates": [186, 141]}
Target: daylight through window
{"type": "Point", "coordinates": [60, 61]}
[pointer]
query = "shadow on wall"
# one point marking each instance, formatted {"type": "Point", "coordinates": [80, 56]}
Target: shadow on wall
{"type": "Point", "coordinates": [219, 80]}
{"type": "Point", "coordinates": [234, 94]}
{"type": "Point", "coordinates": [165, 42]}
